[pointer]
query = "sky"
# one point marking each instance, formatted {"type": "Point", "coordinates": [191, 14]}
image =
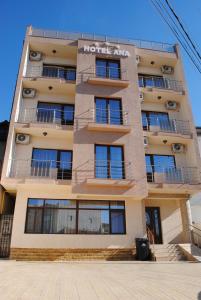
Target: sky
{"type": "Point", "coordinates": [135, 19]}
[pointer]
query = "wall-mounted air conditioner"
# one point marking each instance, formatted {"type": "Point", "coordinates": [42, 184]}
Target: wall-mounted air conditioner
{"type": "Point", "coordinates": [35, 55]}
{"type": "Point", "coordinates": [178, 148]}
{"type": "Point", "coordinates": [167, 69]}
{"type": "Point", "coordinates": [28, 93]}
{"type": "Point", "coordinates": [171, 105]}
{"type": "Point", "coordinates": [22, 138]}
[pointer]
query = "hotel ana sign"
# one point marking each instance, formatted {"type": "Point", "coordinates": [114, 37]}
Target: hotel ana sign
{"type": "Point", "coordinates": [106, 50]}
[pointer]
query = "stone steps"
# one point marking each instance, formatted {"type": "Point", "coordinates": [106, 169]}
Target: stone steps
{"type": "Point", "coordinates": [71, 254]}
{"type": "Point", "coordinates": [168, 252]}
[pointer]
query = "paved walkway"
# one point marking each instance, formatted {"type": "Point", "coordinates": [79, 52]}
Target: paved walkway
{"type": "Point", "coordinates": [99, 280]}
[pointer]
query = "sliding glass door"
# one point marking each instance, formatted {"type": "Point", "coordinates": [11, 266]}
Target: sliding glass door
{"type": "Point", "coordinates": [108, 111]}
{"type": "Point", "coordinates": [109, 162]}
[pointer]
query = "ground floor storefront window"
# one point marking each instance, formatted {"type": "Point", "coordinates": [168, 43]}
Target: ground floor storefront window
{"type": "Point", "coordinates": [51, 216]}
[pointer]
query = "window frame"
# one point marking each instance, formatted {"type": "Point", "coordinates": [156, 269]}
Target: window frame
{"type": "Point", "coordinates": [109, 160]}
{"type": "Point", "coordinates": [107, 61]}
{"type": "Point", "coordinates": [64, 67]}
{"type": "Point", "coordinates": [77, 209]}
{"type": "Point", "coordinates": [147, 113]}
{"type": "Point", "coordinates": [58, 161]}
{"type": "Point", "coordinates": [62, 111]}
{"type": "Point", "coordinates": [108, 118]}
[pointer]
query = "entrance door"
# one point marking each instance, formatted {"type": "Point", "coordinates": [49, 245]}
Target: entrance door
{"type": "Point", "coordinates": [5, 234]}
{"type": "Point", "coordinates": [153, 223]}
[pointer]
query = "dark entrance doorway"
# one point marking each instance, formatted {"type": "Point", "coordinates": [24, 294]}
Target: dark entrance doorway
{"type": "Point", "coordinates": [153, 223]}
{"type": "Point", "coordinates": [6, 221]}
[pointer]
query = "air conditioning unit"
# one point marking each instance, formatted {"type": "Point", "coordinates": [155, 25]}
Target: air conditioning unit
{"type": "Point", "coordinates": [167, 69]}
{"type": "Point", "coordinates": [137, 59]}
{"type": "Point", "coordinates": [178, 148]}
{"type": "Point", "coordinates": [171, 105]}
{"type": "Point", "coordinates": [146, 141]}
{"type": "Point", "coordinates": [28, 93]}
{"type": "Point", "coordinates": [35, 55]}
{"type": "Point", "coordinates": [22, 138]}
{"type": "Point", "coordinates": [141, 96]}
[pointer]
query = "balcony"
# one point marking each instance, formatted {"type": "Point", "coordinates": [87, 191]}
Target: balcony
{"type": "Point", "coordinates": [107, 76]}
{"type": "Point", "coordinates": [64, 74]}
{"type": "Point", "coordinates": [109, 173]}
{"type": "Point", "coordinates": [160, 83]}
{"type": "Point", "coordinates": [40, 170]}
{"type": "Point", "coordinates": [170, 126]}
{"type": "Point", "coordinates": [46, 116]}
{"type": "Point", "coordinates": [108, 120]}
{"type": "Point", "coordinates": [172, 175]}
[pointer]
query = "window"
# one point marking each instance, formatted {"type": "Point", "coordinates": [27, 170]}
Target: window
{"type": "Point", "coordinates": [158, 164]}
{"type": "Point", "coordinates": [151, 81]}
{"type": "Point", "coordinates": [108, 111]}
{"type": "Point", "coordinates": [55, 113]}
{"type": "Point", "coordinates": [150, 118]}
{"type": "Point", "coordinates": [64, 72]}
{"type": "Point", "coordinates": [107, 68]}
{"type": "Point", "coordinates": [109, 162]}
{"type": "Point", "coordinates": [52, 216]}
{"type": "Point", "coordinates": [50, 163]}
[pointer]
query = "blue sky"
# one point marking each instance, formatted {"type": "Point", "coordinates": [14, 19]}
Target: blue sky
{"type": "Point", "coordinates": [120, 18]}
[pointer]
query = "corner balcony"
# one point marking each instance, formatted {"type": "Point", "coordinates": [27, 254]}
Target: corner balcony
{"type": "Point", "coordinates": [40, 171]}
{"type": "Point", "coordinates": [109, 76]}
{"type": "Point", "coordinates": [167, 127]}
{"type": "Point", "coordinates": [172, 175]}
{"type": "Point", "coordinates": [108, 120]}
{"type": "Point", "coordinates": [159, 83]}
{"type": "Point", "coordinates": [109, 173]}
{"type": "Point", "coordinates": [41, 77]}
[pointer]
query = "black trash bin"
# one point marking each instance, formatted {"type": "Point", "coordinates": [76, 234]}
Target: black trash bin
{"type": "Point", "coordinates": [142, 249]}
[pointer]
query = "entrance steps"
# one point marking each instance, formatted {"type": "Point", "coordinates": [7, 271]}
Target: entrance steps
{"type": "Point", "coordinates": [167, 252]}
{"type": "Point", "coordinates": [41, 254]}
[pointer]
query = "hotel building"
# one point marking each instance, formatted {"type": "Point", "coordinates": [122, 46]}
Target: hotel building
{"type": "Point", "coordinates": [101, 149]}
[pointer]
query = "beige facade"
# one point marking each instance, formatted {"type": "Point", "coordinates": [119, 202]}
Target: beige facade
{"type": "Point", "coordinates": [134, 75]}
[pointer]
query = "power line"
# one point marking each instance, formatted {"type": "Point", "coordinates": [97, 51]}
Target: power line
{"type": "Point", "coordinates": [178, 34]}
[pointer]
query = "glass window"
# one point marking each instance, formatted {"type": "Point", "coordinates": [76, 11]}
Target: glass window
{"type": "Point", "coordinates": [65, 72]}
{"type": "Point", "coordinates": [109, 162]}
{"type": "Point", "coordinates": [150, 118]}
{"type": "Point", "coordinates": [107, 68]}
{"type": "Point", "coordinates": [93, 221]}
{"type": "Point", "coordinates": [117, 222]}
{"type": "Point", "coordinates": [94, 204]}
{"type": "Point", "coordinates": [52, 163]}
{"type": "Point", "coordinates": [108, 111]}
{"type": "Point", "coordinates": [59, 221]}
{"type": "Point", "coordinates": [34, 220]}
{"type": "Point", "coordinates": [55, 113]}
{"type": "Point", "coordinates": [54, 216]}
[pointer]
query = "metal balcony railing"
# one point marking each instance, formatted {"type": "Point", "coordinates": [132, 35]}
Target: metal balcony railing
{"type": "Point", "coordinates": [44, 115]}
{"type": "Point", "coordinates": [34, 168]}
{"type": "Point", "coordinates": [107, 73]}
{"type": "Point", "coordinates": [110, 169]}
{"type": "Point", "coordinates": [156, 124]}
{"type": "Point", "coordinates": [109, 116]}
{"type": "Point", "coordinates": [160, 83]}
{"type": "Point", "coordinates": [172, 175]}
{"type": "Point", "coordinates": [152, 45]}
{"type": "Point", "coordinates": [68, 74]}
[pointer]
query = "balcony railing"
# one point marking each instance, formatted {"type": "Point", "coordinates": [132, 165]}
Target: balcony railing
{"type": "Point", "coordinates": [68, 74]}
{"type": "Point", "coordinates": [156, 124]}
{"type": "Point", "coordinates": [156, 46]}
{"type": "Point", "coordinates": [48, 116]}
{"type": "Point", "coordinates": [160, 83]}
{"type": "Point", "coordinates": [49, 169]}
{"type": "Point", "coordinates": [110, 169]}
{"type": "Point", "coordinates": [103, 72]}
{"type": "Point", "coordinates": [172, 175]}
{"type": "Point", "coordinates": [109, 116]}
